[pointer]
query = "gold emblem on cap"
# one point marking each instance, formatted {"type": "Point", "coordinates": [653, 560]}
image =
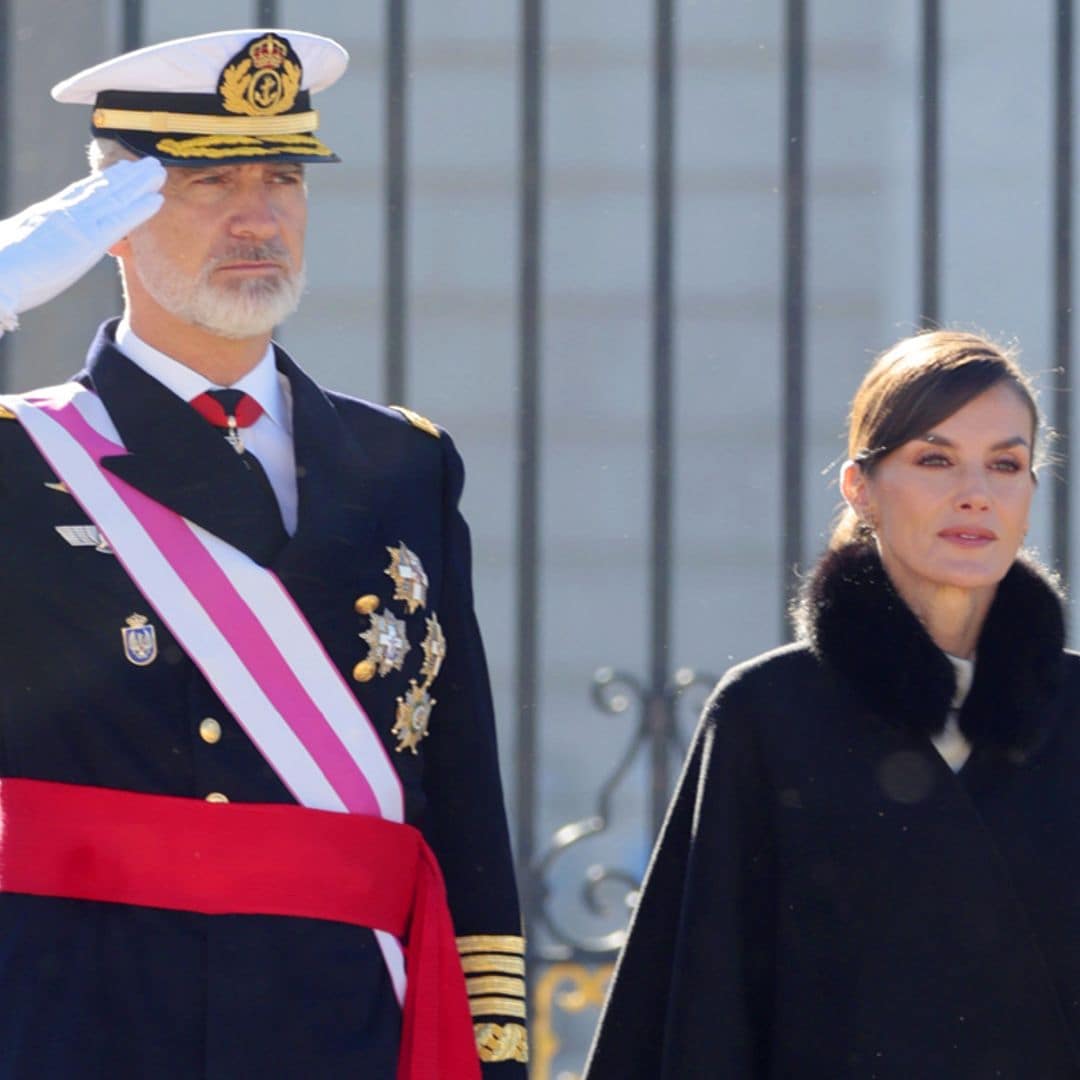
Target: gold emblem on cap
{"type": "Point", "coordinates": [263, 83]}
{"type": "Point", "coordinates": [6, 413]}
{"type": "Point", "coordinates": [434, 646]}
{"type": "Point", "coordinates": [388, 642]}
{"type": "Point", "coordinates": [413, 714]}
{"type": "Point", "coordinates": [409, 577]}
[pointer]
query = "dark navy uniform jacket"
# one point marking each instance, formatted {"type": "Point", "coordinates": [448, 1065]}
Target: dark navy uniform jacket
{"type": "Point", "coordinates": [107, 990]}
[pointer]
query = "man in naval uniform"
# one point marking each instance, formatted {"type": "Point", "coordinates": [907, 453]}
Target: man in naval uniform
{"type": "Point", "coordinates": [244, 699]}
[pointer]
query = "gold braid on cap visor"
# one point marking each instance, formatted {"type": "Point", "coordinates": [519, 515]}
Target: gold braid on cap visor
{"type": "Point", "coordinates": [164, 123]}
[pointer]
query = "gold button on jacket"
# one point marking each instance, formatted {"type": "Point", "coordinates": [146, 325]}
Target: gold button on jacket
{"type": "Point", "coordinates": [210, 730]}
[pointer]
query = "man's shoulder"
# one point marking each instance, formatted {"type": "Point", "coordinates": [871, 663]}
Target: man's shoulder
{"type": "Point", "coordinates": [390, 426]}
{"type": "Point", "coordinates": [358, 410]}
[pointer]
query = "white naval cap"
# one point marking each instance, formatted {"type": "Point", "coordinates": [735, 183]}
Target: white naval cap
{"type": "Point", "coordinates": [230, 97]}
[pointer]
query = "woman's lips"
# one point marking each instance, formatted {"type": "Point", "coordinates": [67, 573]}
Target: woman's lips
{"type": "Point", "coordinates": [968, 537]}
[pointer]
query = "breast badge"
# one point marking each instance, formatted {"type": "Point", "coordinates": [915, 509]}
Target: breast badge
{"type": "Point", "coordinates": [85, 536]}
{"type": "Point", "coordinates": [434, 646]}
{"type": "Point", "coordinates": [388, 642]}
{"type": "Point", "coordinates": [140, 640]}
{"type": "Point", "coordinates": [409, 577]}
{"type": "Point", "coordinates": [413, 716]}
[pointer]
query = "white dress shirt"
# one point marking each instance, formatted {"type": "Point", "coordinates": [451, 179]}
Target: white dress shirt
{"type": "Point", "coordinates": [270, 438]}
{"type": "Point", "coordinates": [952, 744]}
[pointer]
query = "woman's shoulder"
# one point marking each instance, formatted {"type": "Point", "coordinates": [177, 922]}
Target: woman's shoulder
{"type": "Point", "coordinates": [773, 682]}
{"type": "Point", "coordinates": [1070, 666]}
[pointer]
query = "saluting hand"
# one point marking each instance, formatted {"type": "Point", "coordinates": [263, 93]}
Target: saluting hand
{"type": "Point", "coordinates": [51, 244]}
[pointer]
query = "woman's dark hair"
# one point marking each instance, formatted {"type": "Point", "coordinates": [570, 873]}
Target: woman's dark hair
{"type": "Point", "coordinates": [912, 387]}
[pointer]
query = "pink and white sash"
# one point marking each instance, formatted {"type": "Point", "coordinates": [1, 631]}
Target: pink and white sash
{"type": "Point", "coordinates": [234, 619]}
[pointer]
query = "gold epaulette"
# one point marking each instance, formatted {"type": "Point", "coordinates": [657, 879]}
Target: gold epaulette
{"type": "Point", "coordinates": [6, 413]}
{"type": "Point", "coordinates": [418, 421]}
{"type": "Point", "coordinates": [494, 966]}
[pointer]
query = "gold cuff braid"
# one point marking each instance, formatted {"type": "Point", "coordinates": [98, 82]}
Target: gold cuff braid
{"type": "Point", "coordinates": [495, 984]}
{"type": "Point", "coordinates": [495, 943]}
{"type": "Point", "coordinates": [502, 1042]}
{"type": "Point", "coordinates": [497, 1006]}
{"type": "Point", "coordinates": [492, 962]}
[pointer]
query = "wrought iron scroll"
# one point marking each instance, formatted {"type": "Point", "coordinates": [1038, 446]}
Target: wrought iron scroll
{"type": "Point", "coordinates": [657, 730]}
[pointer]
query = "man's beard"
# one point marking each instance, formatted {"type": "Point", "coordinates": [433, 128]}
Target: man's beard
{"type": "Point", "coordinates": [243, 308]}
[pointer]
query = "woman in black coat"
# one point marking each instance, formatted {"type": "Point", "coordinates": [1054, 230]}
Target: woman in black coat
{"type": "Point", "coordinates": [871, 867]}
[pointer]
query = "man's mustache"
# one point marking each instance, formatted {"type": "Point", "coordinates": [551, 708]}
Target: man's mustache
{"type": "Point", "coordinates": [253, 253]}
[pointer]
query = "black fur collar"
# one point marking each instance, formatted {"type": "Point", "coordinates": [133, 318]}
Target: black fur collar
{"type": "Point", "coordinates": [857, 625]}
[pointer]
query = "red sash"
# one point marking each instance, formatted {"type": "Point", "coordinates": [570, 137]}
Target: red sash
{"type": "Point", "coordinates": [159, 851]}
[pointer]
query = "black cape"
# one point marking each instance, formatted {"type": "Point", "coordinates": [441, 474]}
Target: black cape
{"type": "Point", "coordinates": [827, 899]}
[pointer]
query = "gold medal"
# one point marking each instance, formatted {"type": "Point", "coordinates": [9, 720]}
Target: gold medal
{"type": "Point", "coordinates": [413, 715]}
{"type": "Point", "coordinates": [388, 644]}
{"type": "Point", "coordinates": [409, 577]}
{"type": "Point", "coordinates": [434, 646]}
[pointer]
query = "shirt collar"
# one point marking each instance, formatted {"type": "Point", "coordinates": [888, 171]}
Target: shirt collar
{"type": "Point", "coordinates": [263, 382]}
{"type": "Point", "coordinates": [965, 675]}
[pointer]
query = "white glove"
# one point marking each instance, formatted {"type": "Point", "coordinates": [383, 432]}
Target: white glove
{"type": "Point", "coordinates": [51, 244]}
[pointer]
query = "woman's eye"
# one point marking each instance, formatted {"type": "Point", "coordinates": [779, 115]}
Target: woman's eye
{"type": "Point", "coordinates": [1008, 465]}
{"type": "Point", "coordinates": [934, 460]}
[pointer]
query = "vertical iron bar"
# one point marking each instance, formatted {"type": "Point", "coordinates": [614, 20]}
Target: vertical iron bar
{"type": "Point", "coordinates": [794, 328]}
{"type": "Point", "coordinates": [132, 30]}
{"type": "Point", "coordinates": [662, 718]}
{"type": "Point", "coordinates": [1062, 230]}
{"type": "Point", "coordinates": [266, 13]}
{"type": "Point", "coordinates": [930, 166]}
{"type": "Point", "coordinates": [6, 155]}
{"type": "Point", "coordinates": [531, 88]}
{"type": "Point", "coordinates": [395, 181]}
